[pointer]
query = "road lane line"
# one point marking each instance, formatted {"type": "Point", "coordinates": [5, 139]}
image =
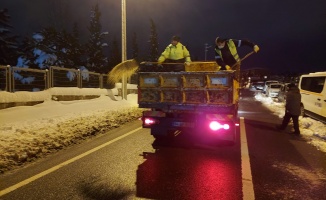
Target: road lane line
{"type": "Point", "coordinates": [48, 171]}
{"type": "Point", "coordinates": [247, 185]}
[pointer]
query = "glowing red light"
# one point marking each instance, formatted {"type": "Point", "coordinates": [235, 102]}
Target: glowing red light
{"type": "Point", "coordinates": [214, 125]}
{"type": "Point", "coordinates": [226, 126]}
{"type": "Point", "coordinates": [149, 121]}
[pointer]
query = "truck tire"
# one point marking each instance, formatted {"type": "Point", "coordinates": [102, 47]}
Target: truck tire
{"type": "Point", "coordinates": [166, 135]}
{"type": "Point", "coordinates": [234, 139]}
{"type": "Point", "coordinates": [232, 142]}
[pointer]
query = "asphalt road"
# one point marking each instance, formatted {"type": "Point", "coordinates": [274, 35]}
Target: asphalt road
{"type": "Point", "coordinates": [283, 166]}
{"type": "Point", "coordinates": [127, 163]}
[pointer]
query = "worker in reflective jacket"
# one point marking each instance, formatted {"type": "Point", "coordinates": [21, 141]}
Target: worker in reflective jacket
{"type": "Point", "coordinates": [175, 53]}
{"type": "Point", "coordinates": [226, 54]}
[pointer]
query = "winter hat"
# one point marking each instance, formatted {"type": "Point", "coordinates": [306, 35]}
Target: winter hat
{"type": "Point", "coordinates": [176, 38]}
{"type": "Point", "coordinates": [219, 39]}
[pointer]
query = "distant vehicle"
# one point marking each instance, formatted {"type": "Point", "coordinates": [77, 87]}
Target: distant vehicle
{"type": "Point", "coordinates": [257, 85]}
{"type": "Point", "coordinates": [267, 83]}
{"type": "Point", "coordinates": [252, 85]}
{"type": "Point", "coordinates": [282, 93]}
{"type": "Point", "coordinates": [273, 89]}
{"type": "Point", "coordinates": [313, 95]}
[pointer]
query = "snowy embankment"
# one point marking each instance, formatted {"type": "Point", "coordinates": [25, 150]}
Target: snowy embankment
{"type": "Point", "coordinates": [29, 132]}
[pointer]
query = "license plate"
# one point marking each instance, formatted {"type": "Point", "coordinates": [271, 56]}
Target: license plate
{"type": "Point", "coordinates": [183, 124]}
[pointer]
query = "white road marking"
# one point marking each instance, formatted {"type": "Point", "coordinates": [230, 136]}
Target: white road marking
{"type": "Point", "coordinates": [247, 185]}
{"type": "Point", "coordinates": [48, 171]}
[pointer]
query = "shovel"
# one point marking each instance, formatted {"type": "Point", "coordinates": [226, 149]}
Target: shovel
{"type": "Point", "coordinates": [244, 57]}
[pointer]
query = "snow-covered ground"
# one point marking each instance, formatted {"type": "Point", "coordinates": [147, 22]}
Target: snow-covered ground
{"type": "Point", "coordinates": [28, 132]}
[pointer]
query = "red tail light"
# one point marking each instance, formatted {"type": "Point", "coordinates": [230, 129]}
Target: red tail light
{"type": "Point", "coordinates": [150, 121]}
{"type": "Point", "coordinates": [214, 125]}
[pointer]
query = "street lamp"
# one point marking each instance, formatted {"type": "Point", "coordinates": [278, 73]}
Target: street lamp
{"type": "Point", "coordinates": [206, 49]}
{"type": "Point", "coordinates": [123, 30]}
{"type": "Point", "coordinates": [123, 48]}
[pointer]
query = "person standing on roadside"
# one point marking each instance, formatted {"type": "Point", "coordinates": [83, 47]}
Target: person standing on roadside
{"type": "Point", "coordinates": [292, 109]}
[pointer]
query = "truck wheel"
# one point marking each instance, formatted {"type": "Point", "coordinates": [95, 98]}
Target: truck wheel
{"type": "Point", "coordinates": [166, 136]}
{"type": "Point", "coordinates": [159, 137]}
{"type": "Point", "coordinates": [234, 140]}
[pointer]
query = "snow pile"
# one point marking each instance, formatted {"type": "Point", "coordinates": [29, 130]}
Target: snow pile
{"type": "Point", "coordinates": [23, 96]}
{"type": "Point", "coordinates": [312, 130]}
{"type": "Point", "coordinates": [27, 133]}
{"type": "Point", "coordinates": [8, 97]}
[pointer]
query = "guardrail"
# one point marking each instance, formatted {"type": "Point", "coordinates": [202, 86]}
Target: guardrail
{"type": "Point", "coordinates": [14, 79]}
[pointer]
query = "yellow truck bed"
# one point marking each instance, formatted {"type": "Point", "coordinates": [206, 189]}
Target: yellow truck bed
{"type": "Point", "coordinates": [182, 90]}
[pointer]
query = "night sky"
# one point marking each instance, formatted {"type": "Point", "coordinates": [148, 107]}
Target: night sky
{"type": "Point", "coordinates": [291, 34]}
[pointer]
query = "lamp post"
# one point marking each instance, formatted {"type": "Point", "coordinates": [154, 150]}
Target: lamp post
{"type": "Point", "coordinates": [124, 47]}
{"type": "Point", "coordinates": [206, 49]}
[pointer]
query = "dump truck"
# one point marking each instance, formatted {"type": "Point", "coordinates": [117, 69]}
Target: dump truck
{"type": "Point", "coordinates": [200, 101]}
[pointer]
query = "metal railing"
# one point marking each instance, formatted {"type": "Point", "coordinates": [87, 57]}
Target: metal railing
{"type": "Point", "coordinates": [25, 79]}
{"type": "Point", "coordinates": [5, 78]}
{"type": "Point", "coordinates": [14, 79]}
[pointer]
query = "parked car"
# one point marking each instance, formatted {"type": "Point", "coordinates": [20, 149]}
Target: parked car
{"type": "Point", "coordinates": [313, 95]}
{"type": "Point", "coordinates": [257, 85]}
{"type": "Point", "coordinates": [267, 83]}
{"type": "Point", "coordinates": [282, 93]}
{"type": "Point", "coordinates": [273, 89]}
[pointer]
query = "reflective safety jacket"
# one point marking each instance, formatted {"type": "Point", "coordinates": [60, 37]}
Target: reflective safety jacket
{"type": "Point", "coordinates": [175, 53]}
{"type": "Point", "coordinates": [228, 55]}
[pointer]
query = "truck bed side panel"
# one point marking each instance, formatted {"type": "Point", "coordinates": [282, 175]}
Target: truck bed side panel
{"type": "Point", "coordinates": [192, 91]}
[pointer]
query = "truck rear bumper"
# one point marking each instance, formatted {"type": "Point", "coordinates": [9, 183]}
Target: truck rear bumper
{"type": "Point", "coordinates": [218, 126]}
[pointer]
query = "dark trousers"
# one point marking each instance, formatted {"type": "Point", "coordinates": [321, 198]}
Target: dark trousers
{"type": "Point", "coordinates": [286, 120]}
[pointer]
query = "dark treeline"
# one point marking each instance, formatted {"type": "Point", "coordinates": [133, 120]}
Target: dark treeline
{"type": "Point", "coordinates": [59, 47]}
